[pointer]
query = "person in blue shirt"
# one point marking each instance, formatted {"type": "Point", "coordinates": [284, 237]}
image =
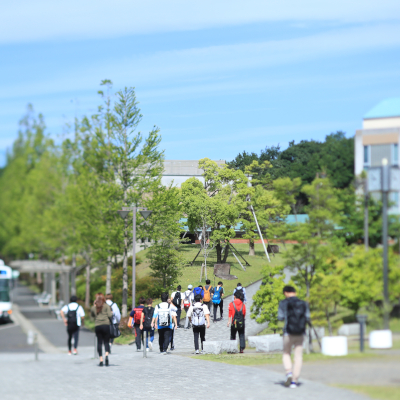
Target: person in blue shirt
{"type": "Point", "coordinates": [198, 290]}
{"type": "Point", "coordinates": [243, 290]}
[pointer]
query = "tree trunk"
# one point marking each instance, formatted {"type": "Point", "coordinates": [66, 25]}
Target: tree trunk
{"type": "Point", "coordinates": [252, 251]}
{"type": "Point", "coordinates": [87, 296]}
{"type": "Point", "coordinates": [226, 253]}
{"type": "Point", "coordinates": [108, 279]}
{"type": "Point", "coordinates": [219, 251]}
{"type": "Point", "coordinates": [73, 275]}
{"type": "Point", "coordinates": [125, 274]}
{"type": "Point", "coordinates": [329, 321]}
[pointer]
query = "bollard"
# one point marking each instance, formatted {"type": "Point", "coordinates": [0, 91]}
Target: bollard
{"type": "Point", "coordinates": [32, 339]}
{"type": "Point", "coordinates": [362, 319]}
{"type": "Point", "coordinates": [95, 346]}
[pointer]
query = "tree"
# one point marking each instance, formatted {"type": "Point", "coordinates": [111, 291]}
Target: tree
{"type": "Point", "coordinates": [137, 162]}
{"type": "Point", "coordinates": [219, 202]}
{"type": "Point", "coordinates": [267, 298]}
{"type": "Point", "coordinates": [165, 228]}
{"type": "Point", "coordinates": [287, 191]}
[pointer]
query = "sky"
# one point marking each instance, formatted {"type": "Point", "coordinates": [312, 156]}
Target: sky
{"type": "Point", "coordinates": [217, 78]}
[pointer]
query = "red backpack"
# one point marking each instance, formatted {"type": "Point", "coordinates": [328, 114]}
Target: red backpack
{"type": "Point", "coordinates": [137, 315]}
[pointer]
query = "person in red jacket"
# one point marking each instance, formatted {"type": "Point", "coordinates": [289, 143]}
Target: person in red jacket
{"type": "Point", "coordinates": [237, 314]}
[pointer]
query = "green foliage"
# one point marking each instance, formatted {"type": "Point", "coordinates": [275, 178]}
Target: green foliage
{"type": "Point", "coordinates": [266, 300]}
{"type": "Point", "coordinates": [216, 205]}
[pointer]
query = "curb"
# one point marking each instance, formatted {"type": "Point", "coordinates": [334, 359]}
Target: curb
{"type": "Point", "coordinates": [44, 344]}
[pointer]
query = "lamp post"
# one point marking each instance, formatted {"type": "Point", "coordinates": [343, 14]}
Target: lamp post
{"type": "Point", "coordinates": [384, 179]}
{"type": "Point", "coordinates": [123, 214]}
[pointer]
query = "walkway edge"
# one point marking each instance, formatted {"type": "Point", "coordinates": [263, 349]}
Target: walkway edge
{"type": "Point", "coordinates": [26, 325]}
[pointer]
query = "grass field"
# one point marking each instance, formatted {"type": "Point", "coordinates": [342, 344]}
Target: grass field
{"type": "Point", "coordinates": [191, 274]}
{"type": "Point", "coordinates": [375, 392]}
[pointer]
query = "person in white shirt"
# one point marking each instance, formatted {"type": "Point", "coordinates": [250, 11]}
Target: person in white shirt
{"type": "Point", "coordinates": [73, 316]}
{"type": "Point", "coordinates": [199, 314]}
{"type": "Point", "coordinates": [116, 312]}
{"type": "Point", "coordinates": [176, 299]}
{"type": "Point", "coordinates": [187, 301]}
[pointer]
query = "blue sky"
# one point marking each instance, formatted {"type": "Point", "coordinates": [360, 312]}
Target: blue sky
{"type": "Point", "coordinates": [216, 77]}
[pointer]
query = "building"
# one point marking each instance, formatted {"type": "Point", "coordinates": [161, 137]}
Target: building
{"type": "Point", "coordinates": [178, 171]}
{"type": "Point", "coordinates": [379, 138]}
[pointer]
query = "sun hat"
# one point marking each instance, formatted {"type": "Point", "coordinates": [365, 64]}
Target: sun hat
{"type": "Point", "coordinates": [190, 287]}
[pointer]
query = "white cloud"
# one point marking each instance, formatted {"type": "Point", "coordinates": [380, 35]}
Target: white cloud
{"type": "Point", "coordinates": [211, 68]}
{"type": "Point", "coordinates": [30, 21]}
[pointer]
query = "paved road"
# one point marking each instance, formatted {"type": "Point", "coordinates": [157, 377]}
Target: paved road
{"type": "Point", "coordinates": [13, 337]}
{"type": "Point", "coordinates": [58, 376]}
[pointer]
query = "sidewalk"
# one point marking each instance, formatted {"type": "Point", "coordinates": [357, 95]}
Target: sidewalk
{"type": "Point", "coordinates": [58, 376]}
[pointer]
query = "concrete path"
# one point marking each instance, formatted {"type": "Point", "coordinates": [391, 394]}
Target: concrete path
{"type": "Point", "coordinates": [219, 330]}
{"type": "Point", "coordinates": [58, 376]}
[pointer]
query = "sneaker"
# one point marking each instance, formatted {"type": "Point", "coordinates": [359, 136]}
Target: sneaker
{"type": "Point", "coordinates": [241, 351]}
{"type": "Point", "coordinates": [172, 348]}
{"type": "Point", "coordinates": [293, 385]}
{"type": "Point", "coordinates": [288, 380]}
{"type": "Point", "coordinates": [197, 352]}
{"type": "Point", "coordinates": [69, 353]}
{"type": "Point", "coordinates": [164, 353]}
{"type": "Point", "coordinates": [138, 350]}
{"type": "Point", "coordinates": [151, 346]}
{"type": "Point", "coordinates": [75, 352]}
{"type": "Point", "coordinates": [100, 363]}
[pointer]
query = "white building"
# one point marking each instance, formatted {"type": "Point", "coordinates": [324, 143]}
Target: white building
{"type": "Point", "coordinates": [379, 138]}
{"type": "Point", "coordinates": [178, 171]}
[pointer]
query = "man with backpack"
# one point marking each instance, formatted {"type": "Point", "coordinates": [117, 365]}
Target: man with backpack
{"type": "Point", "coordinates": [165, 319]}
{"type": "Point", "coordinates": [199, 314]}
{"type": "Point", "coordinates": [136, 314]}
{"type": "Point", "coordinates": [242, 290]}
{"type": "Point", "coordinates": [198, 290]}
{"type": "Point", "coordinates": [237, 314]}
{"type": "Point", "coordinates": [145, 323]}
{"type": "Point", "coordinates": [218, 301]}
{"type": "Point", "coordinates": [296, 314]}
{"type": "Point", "coordinates": [208, 294]}
{"type": "Point", "coordinates": [116, 313]}
{"type": "Point", "coordinates": [73, 316]}
{"type": "Point", "coordinates": [187, 301]}
{"type": "Point", "coordinates": [176, 298]}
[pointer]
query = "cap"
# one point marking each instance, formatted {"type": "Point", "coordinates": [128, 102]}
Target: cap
{"type": "Point", "coordinates": [190, 287]}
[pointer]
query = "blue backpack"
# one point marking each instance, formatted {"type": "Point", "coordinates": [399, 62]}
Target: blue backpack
{"type": "Point", "coordinates": [217, 295]}
{"type": "Point", "coordinates": [197, 290]}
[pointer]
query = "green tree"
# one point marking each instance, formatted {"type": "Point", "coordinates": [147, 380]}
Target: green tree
{"type": "Point", "coordinates": [220, 204]}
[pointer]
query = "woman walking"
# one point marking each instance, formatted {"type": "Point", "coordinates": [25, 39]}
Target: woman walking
{"type": "Point", "coordinates": [102, 313]}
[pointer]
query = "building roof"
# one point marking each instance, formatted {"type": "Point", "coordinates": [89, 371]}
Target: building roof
{"type": "Point", "coordinates": [385, 109]}
{"type": "Point", "coordinates": [184, 167]}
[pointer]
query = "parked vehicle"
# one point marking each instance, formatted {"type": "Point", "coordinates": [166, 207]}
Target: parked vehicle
{"type": "Point", "coordinates": [5, 288]}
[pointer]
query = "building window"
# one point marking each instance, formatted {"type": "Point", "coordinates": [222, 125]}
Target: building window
{"type": "Point", "coordinates": [395, 154]}
{"type": "Point", "coordinates": [367, 157]}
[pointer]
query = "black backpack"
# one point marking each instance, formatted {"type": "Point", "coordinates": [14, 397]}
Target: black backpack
{"type": "Point", "coordinates": [238, 318]}
{"type": "Point", "coordinates": [72, 319]}
{"type": "Point", "coordinates": [148, 317]}
{"type": "Point", "coordinates": [239, 294]}
{"type": "Point", "coordinates": [177, 300]}
{"type": "Point", "coordinates": [296, 316]}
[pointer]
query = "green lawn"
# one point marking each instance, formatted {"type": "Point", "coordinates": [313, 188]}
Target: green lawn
{"type": "Point", "coordinates": [375, 392]}
{"type": "Point", "coordinates": [191, 274]}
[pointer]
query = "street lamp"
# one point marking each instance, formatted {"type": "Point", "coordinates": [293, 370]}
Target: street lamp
{"type": "Point", "coordinates": [123, 214]}
{"type": "Point", "coordinates": [384, 179]}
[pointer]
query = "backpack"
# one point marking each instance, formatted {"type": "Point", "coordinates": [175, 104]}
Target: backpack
{"type": "Point", "coordinates": [238, 318]}
{"type": "Point", "coordinates": [72, 318]}
{"type": "Point", "coordinates": [164, 316]}
{"type": "Point", "coordinates": [198, 317]}
{"type": "Point", "coordinates": [296, 316]}
{"type": "Point", "coordinates": [197, 290]}
{"type": "Point", "coordinates": [137, 315]}
{"type": "Point", "coordinates": [239, 292]}
{"type": "Point", "coordinates": [207, 294]}
{"type": "Point", "coordinates": [177, 300]}
{"type": "Point", "coordinates": [148, 317]}
{"type": "Point", "coordinates": [217, 295]}
{"type": "Point", "coordinates": [186, 300]}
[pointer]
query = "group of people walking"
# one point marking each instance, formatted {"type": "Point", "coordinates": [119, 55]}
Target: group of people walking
{"type": "Point", "coordinates": [197, 303]}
